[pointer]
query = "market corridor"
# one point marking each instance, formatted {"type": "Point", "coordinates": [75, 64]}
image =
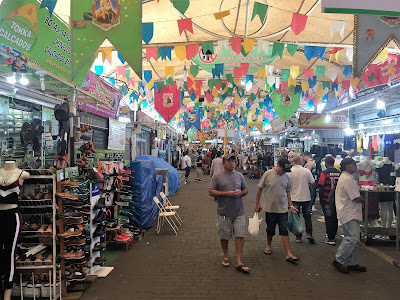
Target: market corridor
{"type": "Point", "coordinates": [189, 266]}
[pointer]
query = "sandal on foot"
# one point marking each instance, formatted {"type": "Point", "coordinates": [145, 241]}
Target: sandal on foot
{"type": "Point", "coordinates": [267, 251]}
{"type": "Point", "coordinates": [243, 269]}
{"type": "Point", "coordinates": [226, 263]}
{"type": "Point", "coordinates": [293, 259]}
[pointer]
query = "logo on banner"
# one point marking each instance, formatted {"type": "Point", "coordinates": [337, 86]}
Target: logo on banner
{"type": "Point", "coordinates": [207, 58]}
{"type": "Point", "coordinates": [191, 117]}
{"type": "Point", "coordinates": [106, 14]}
{"type": "Point", "coordinates": [168, 99]}
{"type": "Point", "coordinates": [391, 21]}
{"type": "Point", "coordinates": [286, 98]}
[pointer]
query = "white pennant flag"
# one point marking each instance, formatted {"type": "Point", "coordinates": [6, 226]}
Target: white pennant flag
{"type": "Point", "coordinates": [221, 44]}
{"type": "Point", "coordinates": [332, 74]}
{"type": "Point", "coordinates": [338, 26]}
{"type": "Point", "coordinates": [269, 70]}
{"type": "Point", "coordinates": [205, 84]}
{"type": "Point", "coordinates": [271, 80]}
{"type": "Point", "coordinates": [349, 53]}
{"type": "Point", "coordinates": [262, 45]}
{"type": "Point", "coordinates": [179, 84]}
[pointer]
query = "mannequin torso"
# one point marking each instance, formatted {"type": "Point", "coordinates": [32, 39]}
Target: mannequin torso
{"type": "Point", "coordinates": [365, 169]}
{"type": "Point", "coordinates": [9, 174]}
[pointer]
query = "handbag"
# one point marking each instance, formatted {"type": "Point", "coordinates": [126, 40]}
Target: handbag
{"type": "Point", "coordinates": [294, 224]}
{"type": "Point", "coordinates": [254, 224]}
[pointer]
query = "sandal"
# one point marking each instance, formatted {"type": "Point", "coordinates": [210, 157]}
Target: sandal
{"type": "Point", "coordinates": [226, 263]}
{"type": "Point", "coordinates": [293, 259]}
{"type": "Point", "coordinates": [267, 251]}
{"type": "Point", "coordinates": [243, 269]}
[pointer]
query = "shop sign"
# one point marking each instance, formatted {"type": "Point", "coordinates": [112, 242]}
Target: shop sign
{"type": "Point", "coordinates": [231, 60]}
{"type": "Point", "coordinates": [317, 121]}
{"type": "Point", "coordinates": [44, 41]}
{"type": "Point", "coordinates": [116, 135]}
{"type": "Point", "coordinates": [371, 90]}
{"type": "Point", "coordinates": [277, 125]}
{"type": "Point", "coordinates": [107, 97]}
{"type": "Point", "coordinates": [383, 7]}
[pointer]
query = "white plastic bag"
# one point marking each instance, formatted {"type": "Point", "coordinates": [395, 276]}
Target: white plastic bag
{"type": "Point", "coordinates": [254, 224]}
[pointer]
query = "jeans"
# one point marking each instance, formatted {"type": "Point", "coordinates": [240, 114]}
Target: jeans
{"type": "Point", "coordinates": [306, 208]}
{"type": "Point", "coordinates": [313, 193]}
{"type": "Point", "coordinates": [187, 172]}
{"type": "Point", "coordinates": [347, 253]}
{"type": "Point", "coordinates": [331, 221]}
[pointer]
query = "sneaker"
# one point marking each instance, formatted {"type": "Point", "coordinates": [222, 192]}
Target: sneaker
{"type": "Point", "coordinates": [310, 238]}
{"type": "Point", "coordinates": [70, 232]}
{"type": "Point", "coordinates": [100, 204]}
{"type": "Point", "coordinates": [101, 216]}
{"type": "Point", "coordinates": [186, 182]}
{"type": "Point", "coordinates": [99, 260]}
{"type": "Point", "coordinates": [100, 230]}
{"type": "Point", "coordinates": [341, 268]}
{"type": "Point", "coordinates": [313, 208]}
{"type": "Point", "coordinates": [357, 268]}
{"type": "Point", "coordinates": [298, 239]}
{"type": "Point", "coordinates": [198, 180]}
{"type": "Point", "coordinates": [330, 242]}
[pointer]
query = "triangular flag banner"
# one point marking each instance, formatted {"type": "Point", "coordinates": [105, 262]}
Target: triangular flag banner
{"type": "Point", "coordinates": [111, 80]}
{"type": "Point", "coordinates": [354, 81]}
{"type": "Point", "coordinates": [347, 70]}
{"type": "Point", "coordinates": [180, 52]}
{"type": "Point", "coordinates": [262, 45]}
{"type": "Point", "coordinates": [160, 85]}
{"type": "Point", "coordinates": [332, 74]}
{"type": "Point", "coordinates": [236, 44]}
{"type": "Point", "coordinates": [167, 102]}
{"type": "Point", "coordinates": [349, 53]}
{"type": "Point", "coordinates": [260, 10]}
{"type": "Point", "coordinates": [169, 71]}
{"type": "Point", "coordinates": [338, 26]}
{"type": "Point", "coordinates": [292, 48]}
{"type": "Point", "coordinates": [221, 14]}
{"type": "Point", "coordinates": [147, 32]}
{"type": "Point", "coordinates": [269, 69]}
{"type": "Point", "coordinates": [106, 53]}
{"type": "Point", "coordinates": [286, 103]}
{"type": "Point", "coordinates": [254, 119]}
{"type": "Point", "coordinates": [320, 70]}
{"type": "Point", "coordinates": [120, 71]}
{"type": "Point", "coordinates": [165, 52]}
{"type": "Point", "coordinates": [121, 58]}
{"type": "Point", "coordinates": [261, 73]}
{"type": "Point", "coordinates": [131, 81]}
{"type": "Point", "coordinates": [326, 85]}
{"type": "Point", "coordinates": [292, 81]}
{"type": "Point", "coordinates": [98, 70]}
{"type": "Point", "coordinates": [305, 86]}
{"type": "Point", "coordinates": [319, 51]}
{"type": "Point", "coordinates": [185, 24]}
{"type": "Point", "coordinates": [191, 51]}
{"type": "Point", "coordinates": [194, 70]}
{"type": "Point", "coordinates": [181, 5]}
{"type": "Point", "coordinates": [96, 53]}
{"type": "Point", "coordinates": [308, 73]}
{"type": "Point", "coordinates": [346, 84]}
{"type": "Point", "coordinates": [278, 48]}
{"type": "Point", "coordinates": [49, 4]}
{"type": "Point", "coordinates": [151, 52]}
{"type": "Point", "coordinates": [147, 75]}
{"type": "Point", "coordinates": [298, 23]}
{"type": "Point", "coordinates": [294, 71]}
{"type": "Point", "coordinates": [383, 55]}
{"type": "Point", "coordinates": [285, 74]}
{"type": "Point", "coordinates": [312, 81]}
{"type": "Point", "coordinates": [248, 44]}
{"type": "Point", "coordinates": [271, 80]}
{"type": "Point", "coordinates": [207, 47]}
{"type": "Point", "coordinates": [127, 74]}
{"type": "Point", "coordinates": [193, 118]}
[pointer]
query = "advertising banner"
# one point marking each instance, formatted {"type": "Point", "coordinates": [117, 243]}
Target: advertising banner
{"type": "Point", "coordinates": [317, 121]}
{"type": "Point", "coordinates": [107, 96]}
{"type": "Point", "coordinates": [116, 135]}
{"type": "Point", "coordinates": [277, 125]}
{"type": "Point", "coordinates": [44, 41]}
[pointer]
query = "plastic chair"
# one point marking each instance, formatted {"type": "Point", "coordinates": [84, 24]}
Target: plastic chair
{"type": "Point", "coordinates": [165, 215]}
{"type": "Point", "coordinates": [168, 206]}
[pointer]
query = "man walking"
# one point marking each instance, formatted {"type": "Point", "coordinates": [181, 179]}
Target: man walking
{"type": "Point", "coordinates": [199, 166]}
{"type": "Point", "coordinates": [327, 180]}
{"type": "Point", "coordinates": [274, 192]}
{"type": "Point", "coordinates": [349, 211]}
{"type": "Point", "coordinates": [216, 165]}
{"type": "Point", "coordinates": [312, 166]}
{"type": "Point", "coordinates": [187, 162]}
{"type": "Point", "coordinates": [228, 186]}
{"type": "Point", "coordinates": [300, 180]}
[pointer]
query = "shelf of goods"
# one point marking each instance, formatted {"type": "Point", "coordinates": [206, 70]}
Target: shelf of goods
{"type": "Point", "coordinates": [36, 250]}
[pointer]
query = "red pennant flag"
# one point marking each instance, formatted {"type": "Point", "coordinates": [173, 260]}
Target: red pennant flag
{"type": "Point", "coordinates": [191, 51]}
{"type": "Point", "coordinates": [298, 23]}
{"type": "Point", "coordinates": [284, 85]}
{"type": "Point", "coordinates": [334, 50]}
{"type": "Point", "coordinates": [199, 85]}
{"type": "Point", "coordinates": [121, 71]}
{"type": "Point", "coordinates": [346, 84]}
{"type": "Point", "coordinates": [189, 82]}
{"type": "Point", "coordinates": [392, 58]}
{"type": "Point", "coordinates": [237, 72]}
{"type": "Point", "coordinates": [236, 44]}
{"type": "Point", "coordinates": [151, 52]}
{"type": "Point", "coordinates": [185, 24]}
{"type": "Point", "coordinates": [308, 73]}
{"type": "Point", "coordinates": [245, 68]}
{"type": "Point", "coordinates": [209, 97]}
{"type": "Point", "coordinates": [132, 81]}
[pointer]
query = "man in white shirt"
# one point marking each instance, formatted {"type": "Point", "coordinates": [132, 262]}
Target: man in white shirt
{"type": "Point", "coordinates": [300, 179]}
{"type": "Point", "coordinates": [349, 212]}
{"type": "Point", "coordinates": [187, 162]}
{"type": "Point", "coordinates": [216, 165]}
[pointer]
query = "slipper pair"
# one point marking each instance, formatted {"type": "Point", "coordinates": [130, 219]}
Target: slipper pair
{"type": "Point", "coordinates": [226, 263]}
{"type": "Point", "coordinates": [267, 251]}
{"type": "Point", "coordinates": [293, 259]}
{"type": "Point", "coordinates": [243, 269]}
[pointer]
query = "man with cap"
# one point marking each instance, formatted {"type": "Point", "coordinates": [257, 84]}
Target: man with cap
{"type": "Point", "coordinates": [229, 186]}
{"type": "Point", "coordinates": [349, 212]}
{"type": "Point", "coordinates": [327, 180]}
{"type": "Point", "coordinates": [273, 196]}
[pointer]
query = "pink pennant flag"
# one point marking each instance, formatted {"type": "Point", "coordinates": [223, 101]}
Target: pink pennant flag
{"type": "Point", "coordinates": [392, 58]}
{"type": "Point", "coordinates": [308, 73]}
{"type": "Point", "coordinates": [298, 23]}
{"type": "Point", "coordinates": [237, 72]}
{"type": "Point", "coordinates": [245, 68]}
{"type": "Point", "coordinates": [191, 51]}
{"type": "Point", "coordinates": [121, 71]}
{"type": "Point", "coordinates": [132, 81]}
{"type": "Point", "coordinates": [346, 84]}
{"type": "Point", "coordinates": [236, 44]}
{"type": "Point", "coordinates": [284, 85]}
{"type": "Point", "coordinates": [218, 86]}
{"type": "Point", "coordinates": [185, 24]}
{"type": "Point", "coordinates": [198, 84]}
{"type": "Point", "coordinates": [209, 97]}
{"type": "Point", "coordinates": [151, 52]}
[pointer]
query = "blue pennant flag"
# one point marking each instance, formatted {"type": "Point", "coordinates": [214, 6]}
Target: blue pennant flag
{"type": "Point", "coordinates": [347, 70]}
{"type": "Point", "coordinates": [165, 52]}
{"type": "Point", "coordinates": [249, 78]}
{"type": "Point", "coordinates": [98, 70]}
{"type": "Point", "coordinates": [309, 52]}
{"type": "Point", "coordinates": [192, 118]}
{"type": "Point", "coordinates": [319, 51]}
{"type": "Point", "coordinates": [111, 80]}
{"type": "Point", "coordinates": [334, 86]}
{"type": "Point", "coordinates": [49, 4]}
{"type": "Point", "coordinates": [312, 82]}
{"type": "Point", "coordinates": [192, 96]}
{"type": "Point", "coordinates": [122, 60]}
{"type": "Point", "coordinates": [147, 75]}
{"type": "Point", "coordinates": [147, 32]}
{"type": "Point", "coordinates": [218, 70]}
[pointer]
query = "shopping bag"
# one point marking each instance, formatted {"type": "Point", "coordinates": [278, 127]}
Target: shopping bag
{"type": "Point", "coordinates": [294, 224]}
{"type": "Point", "coordinates": [254, 224]}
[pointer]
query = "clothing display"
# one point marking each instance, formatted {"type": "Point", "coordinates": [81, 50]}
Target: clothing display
{"type": "Point", "coordinates": [359, 142]}
{"type": "Point", "coordinates": [375, 143]}
{"type": "Point", "coordinates": [349, 142]}
{"type": "Point", "coordinates": [365, 141]}
{"type": "Point", "coordinates": [388, 141]}
{"type": "Point", "coordinates": [381, 143]}
{"type": "Point", "coordinates": [9, 193]}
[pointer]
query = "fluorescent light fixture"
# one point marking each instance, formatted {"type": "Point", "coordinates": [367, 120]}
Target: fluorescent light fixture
{"type": "Point", "coordinates": [24, 80]}
{"type": "Point", "coordinates": [11, 79]}
{"type": "Point", "coordinates": [328, 118]}
{"type": "Point", "coordinates": [124, 119]}
{"type": "Point", "coordinates": [352, 105]}
{"type": "Point", "coordinates": [348, 131]}
{"type": "Point", "coordinates": [387, 121]}
{"type": "Point", "coordinates": [380, 104]}
{"type": "Point", "coordinates": [361, 126]}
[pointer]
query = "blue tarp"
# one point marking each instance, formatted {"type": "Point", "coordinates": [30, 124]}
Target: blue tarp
{"type": "Point", "coordinates": [173, 177]}
{"type": "Point", "coordinates": [159, 187]}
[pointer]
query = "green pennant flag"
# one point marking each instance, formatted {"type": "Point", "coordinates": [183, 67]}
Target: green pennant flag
{"type": "Point", "coordinates": [185, 87]}
{"type": "Point", "coordinates": [160, 85]}
{"type": "Point", "coordinates": [211, 83]}
{"type": "Point", "coordinates": [252, 97]}
{"type": "Point", "coordinates": [278, 49]}
{"type": "Point", "coordinates": [207, 47]}
{"type": "Point", "coordinates": [169, 81]}
{"type": "Point", "coordinates": [229, 91]}
{"type": "Point", "coordinates": [292, 48]}
{"type": "Point", "coordinates": [320, 71]}
{"type": "Point", "coordinates": [261, 104]}
{"type": "Point", "coordinates": [229, 77]}
{"type": "Point", "coordinates": [223, 85]}
{"type": "Point", "coordinates": [288, 105]}
{"type": "Point", "coordinates": [194, 70]}
{"type": "Point", "coordinates": [370, 77]}
{"type": "Point", "coordinates": [285, 73]}
{"type": "Point", "coordinates": [244, 53]}
{"type": "Point", "coordinates": [158, 53]}
{"type": "Point", "coordinates": [260, 10]}
{"type": "Point", "coordinates": [197, 105]}
{"type": "Point", "coordinates": [128, 74]}
{"type": "Point", "coordinates": [181, 5]}
{"type": "Point", "coordinates": [326, 84]}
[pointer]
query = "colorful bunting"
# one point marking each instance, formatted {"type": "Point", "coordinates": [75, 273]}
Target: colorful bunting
{"type": "Point", "coordinates": [221, 14]}
{"type": "Point", "coordinates": [207, 47]}
{"type": "Point", "coordinates": [151, 52]}
{"type": "Point", "coordinates": [191, 51]}
{"type": "Point", "coordinates": [236, 44]}
{"type": "Point", "coordinates": [347, 70]}
{"type": "Point", "coordinates": [121, 58]}
{"type": "Point", "coordinates": [308, 73]}
{"type": "Point", "coordinates": [169, 71]}
{"type": "Point", "coordinates": [294, 71]}
{"type": "Point", "coordinates": [185, 24]}
{"type": "Point", "coordinates": [98, 70]}
{"type": "Point", "coordinates": [181, 5]}
{"type": "Point", "coordinates": [332, 74]}
{"type": "Point", "coordinates": [337, 26]}
{"type": "Point", "coordinates": [285, 74]}
{"type": "Point", "coordinates": [248, 44]}
{"type": "Point", "coordinates": [147, 32]}
{"type": "Point", "coordinates": [260, 10]}
{"type": "Point", "coordinates": [165, 52]}
{"type": "Point", "coordinates": [194, 70]}
{"type": "Point", "coordinates": [106, 54]}
{"type": "Point", "coordinates": [180, 52]}
{"type": "Point", "coordinates": [254, 119]}
{"type": "Point", "coordinates": [147, 75]}
{"type": "Point", "coordinates": [298, 23]}
{"type": "Point", "coordinates": [292, 48]}
{"type": "Point", "coordinates": [278, 49]}
{"type": "Point", "coordinates": [286, 103]}
{"type": "Point", "coordinates": [320, 70]}
{"type": "Point", "coordinates": [49, 4]}
{"type": "Point", "coordinates": [167, 102]}
{"type": "Point", "coordinates": [261, 73]}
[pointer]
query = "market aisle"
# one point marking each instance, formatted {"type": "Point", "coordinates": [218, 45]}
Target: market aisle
{"type": "Point", "coordinates": [189, 266]}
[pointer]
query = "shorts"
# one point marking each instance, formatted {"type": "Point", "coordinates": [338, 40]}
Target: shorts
{"type": "Point", "coordinates": [228, 227]}
{"type": "Point", "coordinates": [187, 171]}
{"type": "Point", "coordinates": [272, 219]}
{"type": "Point", "coordinates": [199, 170]}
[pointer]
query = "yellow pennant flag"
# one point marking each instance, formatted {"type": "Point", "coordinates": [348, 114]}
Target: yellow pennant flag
{"type": "Point", "coordinates": [383, 55]}
{"type": "Point", "coordinates": [292, 81]}
{"type": "Point", "coordinates": [261, 73]}
{"type": "Point", "coordinates": [391, 69]}
{"type": "Point", "coordinates": [221, 14]}
{"type": "Point", "coordinates": [320, 91]}
{"type": "Point", "coordinates": [180, 52]}
{"type": "Point", "coordinates": [214, 92]}
{"type": "Point", "coordinates": [253, 109]}
{"type": "Point", "coordinates": [150, 84]}
{"type": "Point", "coordinates": [248, 44]}
{"type": "Point", "coordinates": [336, 55]}
{"type": "Point", "coordinates": [253, 120]}
{"type": "Point", "coordinates": [106, 53]}
{"type": "Point", "coordinates": [237, 99]}
{"type": "Point", "coordinates": [209, 104]}
{"type": "Point", "coordinates": [354, 81]}
{"type": "Point", "coordinates": [186, 101]}
{"type": "Point", "coordinates": [237, 82]}
{"type": "Point", "coordinates": [305, 86]}
{"type": "Point", "coordinates": [169, 72]}
{"type": "Point", "coordinates": [294, 71]}
{"type": "Point", "coordinates": [96, 53]}
{"type": "Point", "coordinates": [317, 100]}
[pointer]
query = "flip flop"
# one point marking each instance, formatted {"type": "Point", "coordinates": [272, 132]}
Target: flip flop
{"type": "Point", "coordinates": [267, 251]}
{"type": "Point", "coordinates": [293, 259]}
{"type": "Point", "coordinates": [243, 269]}
{"type": "Point", "coordinates": [226, 263]}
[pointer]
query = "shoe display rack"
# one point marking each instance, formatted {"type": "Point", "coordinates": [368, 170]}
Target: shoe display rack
{"type": "Point", "coordinates": [36, 251]}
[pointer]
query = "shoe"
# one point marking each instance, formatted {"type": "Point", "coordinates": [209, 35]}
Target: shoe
{"type": "Point", "coordinates": [112, 225]}
{"type": "Point", "coordinates": [35, 227]}
{"type": "Point", "coordinates": [100, 204]}
{"type": "Point", "coordinates": [69, 183]}
{"type": "Point", "coordinates": [39, 260]}
{"type": "Point", "coordinates": [93, 175]}
{"type": "Point", "coordinates": [72, 255]}
{"type": "Point", "coordinates": [71, 215]}
{"type": "Point", "coordinates": [76, 204]}
{"type": "Point", "coordinates": [99, 260]}
{"type": "Point", "coordinates": [42, 229]}
{"type": "Point", "coordinates": [100, 230]}
{"type": "Point", "coordinates": [330, 242]}
{"type": "Point", "coordinates": [74, 221]}
{"type": "Point", "coordinates": [99, 246]}
{"type": "Point", "coordinates": [341, 268]}
{"type": "Point", "coordinates": [75, 276]}
{"type": "Point", "coordinates": [121, 238]}
{"type": "Point", "coordinates": [48, 260]}
{"type": "Point", "coordinates": [85, 210]}
{"type": "Point", "coordinates": [313, 208]}
{"type": "Point", "coordinates": [198, 180]}
{"type": "Point", "coordinates": [298, 239]}
{"type": "Point", "coordinates": [310, 238]}
{"type": "Point", "coordinates": [186, 182]}
{"type": "Point", "coordinates": [75, 241]}
{"type": "Point", "coordinates": [67, 195]}
{"type": "Point", "coordinates": [70, 232]}
{"type": "Point", "coordinates": [357, 268]}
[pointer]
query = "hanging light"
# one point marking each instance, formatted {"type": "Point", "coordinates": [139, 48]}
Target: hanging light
{"type": "Point", "coordinates": [328, 118]}
{"type": "Point", "coordinates": [11, 79]}
{"type": "Point", "coordinates": [380, 104]}
{"type": "Point", "coordinates": [24, 80]}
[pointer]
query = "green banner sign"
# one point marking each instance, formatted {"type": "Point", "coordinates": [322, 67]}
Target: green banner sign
{"type": "Point", "coordinates": [31, 33]}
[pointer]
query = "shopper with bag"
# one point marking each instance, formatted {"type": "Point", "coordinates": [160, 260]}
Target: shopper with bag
{"type": "Point", "coordinates": [349, 212]}
{"type": "Point", "coordinates": [273, 196]}
{"type": "Point", "coordinates": [229, 186]}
